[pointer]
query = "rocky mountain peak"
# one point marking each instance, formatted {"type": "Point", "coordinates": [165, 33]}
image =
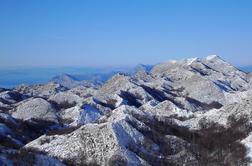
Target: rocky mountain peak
{"type": "Point", "coordinates": [212, 57]}
{"type": "Point", "coordinates": [185, 112]}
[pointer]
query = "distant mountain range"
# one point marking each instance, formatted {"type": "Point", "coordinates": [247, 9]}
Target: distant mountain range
{"type": "Point", "coordinates": [68, 76]}
{"type": "Point", "coordinates": [95, 79]}
{"type": "Point", "coordinates": [11, 77]}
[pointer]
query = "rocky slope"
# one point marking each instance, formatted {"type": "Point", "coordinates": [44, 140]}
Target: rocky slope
{"type": "Point", "coordinates": [187, 112]}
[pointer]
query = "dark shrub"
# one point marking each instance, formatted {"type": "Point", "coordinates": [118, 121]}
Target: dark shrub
{"type": "Point", "coordinates": [104, 104]}
{"type": "Point", "coordinates": [117, 160]}
{"type": "Point", "coordinates": [218, 145]}
{"type": "Point", "coordinates": [44, 140]}
{"type": "Point", "coordinates": [211, 145]}
{"type": "Point", "coordinates": [80, 160]}
{"type": "Point", "coordinates": [111, 102]}
{"type": "Point", "coordinates": [130, 98]}
{"type": "Point", "coordinates": [24, 157]}
{"type": "Point", "coordinates": [65, 105]}
{"type": "Point", "coordinates": [204, 106]}
{"type": "Point", "coordinates": [62, 131]}
{"type": "Point", "coordinates": [155, 93]}
{"type": "Point", "coordinates": [9, 143]}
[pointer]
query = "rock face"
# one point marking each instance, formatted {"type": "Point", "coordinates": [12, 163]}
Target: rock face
{"type": "Point", "coordinates": [189, 112]}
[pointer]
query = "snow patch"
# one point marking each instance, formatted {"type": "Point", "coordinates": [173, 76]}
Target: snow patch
{"type": "Point", "coordinates": [173, 61]}
{"type": "Point", "coordinates": [210, 57]}
{"type": "Point", "coordinates": [191, 60]}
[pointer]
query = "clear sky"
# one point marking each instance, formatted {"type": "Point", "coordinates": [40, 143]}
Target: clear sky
{"type": "Point", "coordinates": [123, 32]}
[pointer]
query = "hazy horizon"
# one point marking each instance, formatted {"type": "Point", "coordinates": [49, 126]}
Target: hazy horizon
{"type": "Point", "coordinates": [14, 76]}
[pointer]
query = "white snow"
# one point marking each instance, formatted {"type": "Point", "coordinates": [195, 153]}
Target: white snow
{"type": "Point", "coordinates": [125, 126]}
{"type": "Point", "coordinates": [248, 143]}
{"type": "Point", "coordinates": [210, 57]}
{"type": "Point", "coordinates": [191, 60]}
{"type": "Point", "coordinates": [68, 97]}
{"type": "Point", "coordinates": [173, 61]}
{"type": "Point", "coordinates": [36, 108]}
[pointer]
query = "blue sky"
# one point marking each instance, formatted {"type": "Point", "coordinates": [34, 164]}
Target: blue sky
{"type": "Point", "coordinates": [123, 32]}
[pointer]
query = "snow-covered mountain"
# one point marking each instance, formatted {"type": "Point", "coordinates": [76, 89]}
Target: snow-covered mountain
{"type": "Point", "coordinates": [187, 112]}
{"type": "Point", "coordinates": [95, 79]}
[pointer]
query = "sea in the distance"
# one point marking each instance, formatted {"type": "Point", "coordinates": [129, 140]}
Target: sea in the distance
{"type": "Point", "coordinates": [11, 77]}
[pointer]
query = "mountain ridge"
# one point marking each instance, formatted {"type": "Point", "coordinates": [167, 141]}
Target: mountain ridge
{"type": "Point", "coordinates": [185, 112]}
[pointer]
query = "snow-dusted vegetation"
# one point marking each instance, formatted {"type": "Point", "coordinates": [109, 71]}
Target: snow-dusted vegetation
{"type": "Point", "coordinates": [186, 112]}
